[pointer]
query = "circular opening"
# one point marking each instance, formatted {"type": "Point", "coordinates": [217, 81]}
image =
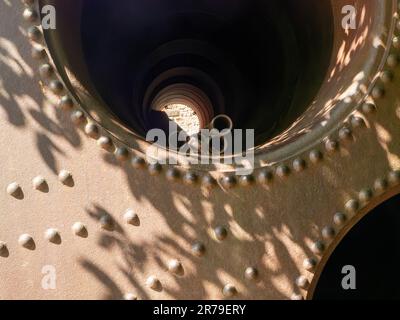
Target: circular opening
{"type": "Point", "coordinates": [280, 67]}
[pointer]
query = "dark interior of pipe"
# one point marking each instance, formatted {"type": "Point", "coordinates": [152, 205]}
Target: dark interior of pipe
{"type": "Point", "coordinates": [259, 62]}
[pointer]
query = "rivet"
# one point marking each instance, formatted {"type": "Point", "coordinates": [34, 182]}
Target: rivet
{"type": "Point", "coordinates": [56, 86]}
{"type": "Point", "coordinates": [92, 130]}
{"type": "Point", "coordinates": [132, 218]}
{"type": "Point", "coordinates": [53, 236]}
{"type": "Point", "coordinates": [393, 60]}
{"type": "Point", "coordinates": [26, 241]}
{"type": "Point", "coordinates": [381, 185]}
{"type": "Point", "coordinates": [387, 76]}
{"type": "Point", "coordinates": [357, 122]}
{"type": "Point", "coordinates": [296, 297]}
{"type": "Point", "coordinates": [229, 290]}
{"type": "Point", "coordinates": [198, 249]}
{"type": "Point", "coordinates": [106, 222]}
{"type": "Point", "coordinates": [299, 165]}
{"type": "Point", "coordinates": [331, 145]}
{"type": "Point", "coordinates": [46, 70]}
{"type": "Point", "coordinates": [251, 273]}
{"type": "Point", "coordinates": [220, 233]}
{"type": "Point", "coordinates": [30, 15]}
{"type": "Point", "coordinates": [339, 218]}
{"type": "Point", "coordinates": [208, 181]}
{"type": "Point", "coordinates": [265, 176]}
{"type": "Point", "coordinates": [396, 42]}
{"type": "Point", "coordinates": [352, 206]}
{"type": "Point", "coordinates": [39, 183]}
{"type": "Point", "coordinates": [175, 267]}
{"type": "Point", "coordinates": [246, 180]}
{"type": "Point", "coordinates": [282, 171]}
{"type": "Point", "coordinates": [130, 296]}
{"type": "Point", "coordinates": [309, 264]}
{"type": "Point", "coordinates": [378, 92]}
{"type": "Point", "coordinates": [365, 195]}
{"type": "Point", "coordinates": [14, 189]}
{"type": "Point", "coordinates": [316, 156]}
{"type": "Point", "coordinates": [345, 134]}
{"type": "Point", "coordinates": [328, 233]}
{"type": "Point", "coordinates": [122, 154]}
{"type": "Point", "coordinates": [394, 177]}
{"type": "Point", "coordinates": [66, 103]}
{"type": "Point", "coordinates": [302, 282]}
{"type": "Point", "coordinates": [318, 247]}
{"type": "Point", "coordinates": [190, 178]}
{"type": "Point", "coordinates": [368, 108]}
{"type": "Point", "coordinates": [38, 52]}
{"type": "Point", "coordinates": [153, 283]}
{"type": "Point", "coordinates": [80, 229]}
{"type": "Point", "coordinates": [34, 33]}
{"type": "Point", "coordinates": [78, 117]}
{"type": "Point", "coordinates": [138, 162]}
{"type": "Point", "coordinates": [173, 174]}
{"type": "Point", "coordinates": [155, 169]}
{"type": "Point", "coordinates": [229, 181]}
{"type": "Point", "coordinates": [64, 177]}
{"type": "Point", "coordinates": [4, 250]}
{"type": "Point", "coordinates": [106, 143]}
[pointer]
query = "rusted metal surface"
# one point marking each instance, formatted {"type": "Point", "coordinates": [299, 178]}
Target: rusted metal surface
{"type": "Point", "coordinates": [113, 227]}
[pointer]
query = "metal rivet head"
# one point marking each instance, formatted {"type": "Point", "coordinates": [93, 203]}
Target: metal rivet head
{"type": "Point", "coordinates": [394, 177]}
{"type": "Point", "coordinates": [302, 282]}
{"type": "Point", "coordinates": [173, 174]}
{"type": "Point", "coordinates": [328, 233]}
{"type": "Point", "coordinates": [377, 92]}
{"type": "Point", "coordinates": [138, 162]}
{"type": "Point", "coordinates": [265, 176]}
{"type": "Point", "coordinates": [246, 180]}
{"type": "Point", "coordinates": [66, 103]}
{"type": "Point", "coordinates": [229, 182]}
{"type": "Point", "coordinates": [345, 134]}
{"type": "Point", "coordinates": [38, 52]}
{"type": "Point", "coordinates": [64, 176]}
{"type": "Point", "coordinates": [106, 143]}
{"type": "Point", "coordinates": [122, 154]}
{"type": "Point", "coordinates": [315, 156]}
{"type": "Point", "coordinates": [46, 70]}
{"type": "Point", "coordinates": [153, 283]}
{"type": "Point", "coordinates": [4, 250]}
{"type": "Point", "coordinates": [14, 189]}
{"type": "Point", "coordinates": [318, 247]}
{"type": "Point", "coordinates": [56, 86]}
{"type": "Point", "coordinates": [387, 76]}
{"type": "Point", "coordinates": [396, 42]}
{"type": "Point", "coordinates": [357, 122]}
{"type": "Point", "coordinates": [352, 206]}
{"type": "Point", "coordinates": [53, 236]}
{"type": "Point", "coordinates": [220, 233]}
{"type": "Point", "coordinates": [39, 183]}
{"type": "Point", "coordinates": [309, 264]}
{"type": "Point", "coordinates": [130, 296]}
{"type": "Point", "coordinates": [251, 273]}
{"type": "Point", "coordinates": [30, 15]}
{"type": "Point", "coordinates": [381, 185]}
{"type": "Point", "coordinates": [198, 249]}
{"type": "Point", "coordinates": [107, 222]}
{"type": "Point", "coordinates": [208, 181]}
{"type": "Point", "coordinates": [282, 171]}
{"type": "Point", "coordinates": [78, 117]}
{"type": "Point", "coordinates": [365, 195]}
{"type": "Point", "coordinates": [26, 241]}
{"type": "Point", "coordinates": [175, 267]}
{"type": "Point", "coordinates": [339, 218]}
{"type": "Point", "coordinates": [132, 218]}
{"type": "Point", "coordinates": [331, 145]}
{"type": "Point", "coordinates": [92, 130]}
{"type": "Point", "coordinates": [155, 169]}
{"type": "Point", "coordinates": [299, 165]}
{"type": "Point", "coordinates": [190, 178]}
{"type": "Point", "coordinates": [393, 60]}
{"type": "Point", "coordinates": [368, 108]}
{"type": "Point", "coordinates": [80, 229]}
{"type": "Point", "coordinates": [34, 33]}
{"type": "Point", "coordinates": [229, 290]}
